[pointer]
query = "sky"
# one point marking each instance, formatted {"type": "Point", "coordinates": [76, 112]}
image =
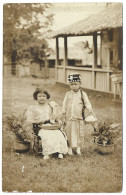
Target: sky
{"type": "Point", "coordinates": [69, 13]}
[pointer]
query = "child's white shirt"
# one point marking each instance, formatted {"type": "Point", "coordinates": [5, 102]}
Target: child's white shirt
{"type": "Point", "coordinates": [72, 105]}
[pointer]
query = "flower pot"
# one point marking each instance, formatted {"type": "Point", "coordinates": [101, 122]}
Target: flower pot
{"type": "Point", "coordinates": [105, 149]}
{"type": "Point", "coordinates": [20, 146]}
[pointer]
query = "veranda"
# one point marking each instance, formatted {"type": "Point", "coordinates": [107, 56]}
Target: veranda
{"type": "Point", "coordinates": [105, 26]}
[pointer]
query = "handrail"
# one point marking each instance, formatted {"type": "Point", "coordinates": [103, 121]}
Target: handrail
{"type": "Point", "coordinates": [84, 68]}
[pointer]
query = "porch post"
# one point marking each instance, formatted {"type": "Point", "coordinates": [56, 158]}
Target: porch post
{"type": "Point", "coordinates": [95, 60]}
{"type": "Point", "coordinates": [108, 64]}
{"type": "Point", "coordinates": [57, 57]}
{"type": "Point", "coordinates": [65, 51]}
{"type": "Point", "coordinates": [95, 49]}
{"type": "Point", "coordinates": [65, 57]}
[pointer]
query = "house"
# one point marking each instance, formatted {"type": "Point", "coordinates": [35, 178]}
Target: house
{"type": "Point", "coordinates": [26, 67]}
{"type": "Point", "coordinates": [105, 29]}
{"type": "Point", "coordinates": [19, 69]}
{"type": "Point", "coordinates": [48, 70]}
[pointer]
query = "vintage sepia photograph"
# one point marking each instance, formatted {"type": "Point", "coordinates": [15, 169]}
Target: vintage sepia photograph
{"type": "Point", "coordinates": [62, 97]}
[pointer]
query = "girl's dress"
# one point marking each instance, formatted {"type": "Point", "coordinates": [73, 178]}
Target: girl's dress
{"type": "Point", "coordinates": [53, 141]}
{"type": "Point", "coordinates": [75, 125]}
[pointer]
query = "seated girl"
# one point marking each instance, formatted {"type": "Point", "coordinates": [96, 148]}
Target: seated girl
{"type": "Point", "coordinates": [44, 112]}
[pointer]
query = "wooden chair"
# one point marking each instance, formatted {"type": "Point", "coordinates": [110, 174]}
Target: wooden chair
{"type": "Point", "coordinates": [37, 147]}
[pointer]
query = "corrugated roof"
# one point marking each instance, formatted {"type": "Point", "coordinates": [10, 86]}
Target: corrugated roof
{"type": "Point", "coordinates": [109, 18]}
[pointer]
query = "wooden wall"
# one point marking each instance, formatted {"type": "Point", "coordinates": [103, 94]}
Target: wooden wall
{"type": "Point", "coordinates": [101, 79]}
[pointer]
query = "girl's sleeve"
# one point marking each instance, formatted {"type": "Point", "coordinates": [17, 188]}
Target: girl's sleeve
{"type": "Point", "coordinates": [64, 105]}
{"type": "Point", "coordinates": [87, 102]}
{"type": "Point", "coordinates": [31, 116]}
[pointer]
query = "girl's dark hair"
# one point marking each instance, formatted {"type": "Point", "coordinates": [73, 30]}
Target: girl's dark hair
{"type": "Point", "coordinates": [39, 90]}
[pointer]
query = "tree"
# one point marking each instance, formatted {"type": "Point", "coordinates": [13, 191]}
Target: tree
{"type": "Point", "coordinates": [23, 24]}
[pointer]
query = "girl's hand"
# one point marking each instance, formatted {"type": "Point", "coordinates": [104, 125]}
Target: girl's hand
{"type": "Point", "coordinates": [60, 122]}
{"type": "Point", "coordinates": [64, 119]}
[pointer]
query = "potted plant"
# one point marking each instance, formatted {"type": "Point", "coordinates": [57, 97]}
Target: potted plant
{"type": "Point", "coordinates": [105, 137]}
{"type": "Point", "coordinates": [16, 123]}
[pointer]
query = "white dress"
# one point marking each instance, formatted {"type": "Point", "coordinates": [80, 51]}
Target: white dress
{"type": "Point", "coordinates": [53, 141]}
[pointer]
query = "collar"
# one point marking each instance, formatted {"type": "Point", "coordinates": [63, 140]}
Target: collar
{"type": "Point", "coordinates": [75, 92]}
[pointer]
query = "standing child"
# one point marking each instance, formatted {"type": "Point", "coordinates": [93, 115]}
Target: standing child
{"type": "Point", "coordinates": [74, 103]}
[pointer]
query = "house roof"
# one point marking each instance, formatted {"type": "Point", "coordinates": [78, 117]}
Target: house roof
{"type": "Point", "coordinates": [109, 18]}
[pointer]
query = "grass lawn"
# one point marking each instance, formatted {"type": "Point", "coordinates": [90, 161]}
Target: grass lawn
{"type": "Point", "coordinates": [90, 172]}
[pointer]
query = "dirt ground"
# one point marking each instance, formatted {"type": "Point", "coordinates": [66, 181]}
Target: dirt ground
{"type": "Point", "coordinates": [90, 172]}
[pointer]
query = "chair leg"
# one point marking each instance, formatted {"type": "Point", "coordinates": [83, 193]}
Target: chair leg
{"type": "Point", "coordinates": [36, 145]}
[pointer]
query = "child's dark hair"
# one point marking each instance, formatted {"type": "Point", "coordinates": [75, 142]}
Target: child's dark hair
{"type": "Point", "coordinates": [39, 90]}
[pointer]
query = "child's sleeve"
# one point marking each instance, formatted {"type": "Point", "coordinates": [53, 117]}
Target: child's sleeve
{"type": "Point", "coordinates": [64, 105]}
{"type": "Point", "coordinates": [87, 102]}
